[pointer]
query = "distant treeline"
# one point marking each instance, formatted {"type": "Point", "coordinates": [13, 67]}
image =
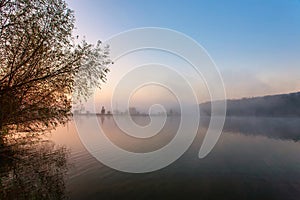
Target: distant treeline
{"type": "Point", "coordinates": [283, 105]}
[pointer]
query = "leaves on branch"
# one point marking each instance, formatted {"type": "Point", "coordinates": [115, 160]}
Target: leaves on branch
{"type": "Point", "coordinates": [41, 65]}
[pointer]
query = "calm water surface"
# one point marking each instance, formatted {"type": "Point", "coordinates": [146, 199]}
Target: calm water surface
{"type": "Point", "coordinates": [255, 158]}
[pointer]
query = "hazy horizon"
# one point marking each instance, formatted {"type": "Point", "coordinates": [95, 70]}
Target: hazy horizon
{"type": "Point", "coordinates": [150, 99]}
{"type": "Point", "coordinates": [254, 45]}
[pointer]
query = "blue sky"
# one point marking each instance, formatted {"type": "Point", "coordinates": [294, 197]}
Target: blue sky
{"type": "Point", "coordinates": [255, 43]}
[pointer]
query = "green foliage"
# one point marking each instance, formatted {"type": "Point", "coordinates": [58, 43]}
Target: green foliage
{"type": "Point", "coordinates": [41, 65]}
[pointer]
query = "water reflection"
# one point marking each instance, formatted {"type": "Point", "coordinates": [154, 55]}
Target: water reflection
{"type": "Point", "coordinates": [276, 128]}
{"type": "Point", "coordinates": [255, 158]}
{"type": "Point", "coordinates": [32, 168]}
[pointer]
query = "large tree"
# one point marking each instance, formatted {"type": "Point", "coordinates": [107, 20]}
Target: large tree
{"type": "Point", "coordinates": [41, 64]}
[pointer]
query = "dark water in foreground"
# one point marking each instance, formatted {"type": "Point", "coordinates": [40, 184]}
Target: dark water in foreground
{"type": "Point", "coordinates": [255, 158]}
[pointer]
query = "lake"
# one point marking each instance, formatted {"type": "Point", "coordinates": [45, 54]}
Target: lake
{"type": "Point", "coordinates": [255, 158]}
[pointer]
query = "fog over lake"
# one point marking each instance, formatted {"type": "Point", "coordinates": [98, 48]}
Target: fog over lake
{"type": "Point", "coordinates": [255, 158]}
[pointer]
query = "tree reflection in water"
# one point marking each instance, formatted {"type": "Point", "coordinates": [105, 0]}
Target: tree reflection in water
{"type": "Point", "coordinates": [32, 168]}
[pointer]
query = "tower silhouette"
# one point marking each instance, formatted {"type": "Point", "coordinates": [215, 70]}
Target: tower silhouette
{"type": "Point", "coordinates": [102, 110]}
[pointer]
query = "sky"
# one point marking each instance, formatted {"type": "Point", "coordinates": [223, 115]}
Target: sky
{"type": "Point", "coordinates": [255, 44]}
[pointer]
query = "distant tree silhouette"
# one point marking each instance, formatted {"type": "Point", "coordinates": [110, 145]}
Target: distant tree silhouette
{"type": "Point", "coordinates": [283, 105]}
{"type": "Point", "coordinates": [41, 65]}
